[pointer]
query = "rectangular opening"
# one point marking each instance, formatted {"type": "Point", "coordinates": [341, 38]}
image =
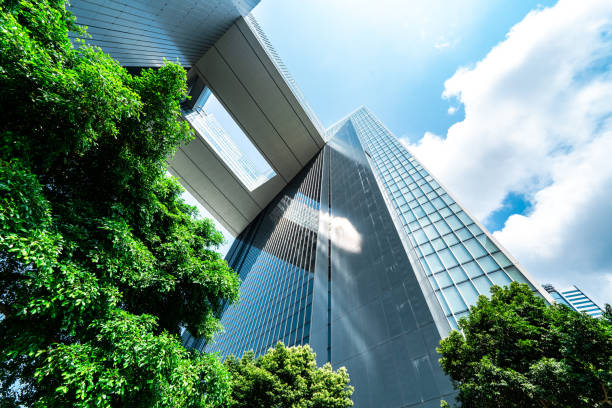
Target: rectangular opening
{"type": "Point", "coordinates": [219, 130]}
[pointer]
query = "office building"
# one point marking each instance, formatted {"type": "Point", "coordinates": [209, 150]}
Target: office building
{"type": "Point", "coordinates": [574, 298]}
{"type": "Point", "coordinates": [348, 243]}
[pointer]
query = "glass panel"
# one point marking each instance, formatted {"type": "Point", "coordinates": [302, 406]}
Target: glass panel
{"type": "Point", "coordinates": [450, 239]}
{"type": "Point", "coordinates": [433, 282]}
{"type": "Point", "coordinates": [483, 285]}
{"type": "Point", "coordinates": [464, 218]}
{"type": "Point", "coordinates": [420, 237]}
{"type": "Point", "coordinates": [445, 212]}
{"type": "Point", "coordinates": [428, 208]}
{"type": "Point", "coordinates": [447, 258]}
{"type": "Point", "coordinates": [461, 253]}
{"type": "Point", "coordinates": [475, 229]}
{"type": "Point", "coordinates": [452, 322]}
{"type": "Point", "coordinates": [438, 203]}
{"type": "Point", "coordinates": [488, 264]}
{"type": "Point", "coordinates": [516, 275]}
{"type": "Point", "coordinates": [219, 130]}
{"type": "Point", "coordinates": [438, 244]}
{"type": "Point", "coordinates": [454, 222]}
{"type": "Point", "coordinates": [463, 234]}
{"type": "Point", "coordinates": [426, 248]}
{"type": "Point", "coordinates": [455, 207]}
{"type": "Point", "coordinates": [409, 217]}
{"type": "Point", "coordinates": [457, 274]}
{"type": "Point", "coordinates": [475, 248]}
{"type": "Point", "coordinates": [442, 227]}
{"type": "Point", "coordinates": [472, 269]}
{"type": "Point", "coordinates": [434, 217]}
{"type": "Point", "coordinates": [500, 278]}
{"type": "Point", "coordinates": [443, 279]}
{"type": "Point", "coordinates": [488, 244]}
{"type": "Point", "coordinates": [424, 221]}
{"type": "Point", "coordinates": [434, 263]}
{"type": "Point", "coordinates": [418, 212]}
{"type": "Point", "coordinates": [425, 266]}
{"type": "Point", "coordinates": [455, 302]}
{"type": "Point", "coordinates": [431, 232]}
{"type": "Point", "coordinates": [502, 259]}
{"type": "Point", "coordinates": [468, 292]}
{"type": "Point", "coordinates": [443, 303]}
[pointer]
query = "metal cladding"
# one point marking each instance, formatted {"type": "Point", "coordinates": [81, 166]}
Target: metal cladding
{"type": "Point", "coordinates": [142, 33]}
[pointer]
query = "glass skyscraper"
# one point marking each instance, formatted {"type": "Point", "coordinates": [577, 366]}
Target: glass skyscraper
{"type": "Point", "coordinates": [368, 259]}
{"type": "Point", "coordinates": [576, 299]}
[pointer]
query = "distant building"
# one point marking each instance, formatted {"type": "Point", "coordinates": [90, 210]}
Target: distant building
{"type": "Point", "coordinates": [576, 299]}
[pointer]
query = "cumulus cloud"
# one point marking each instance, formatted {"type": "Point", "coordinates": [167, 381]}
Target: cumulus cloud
{"type": "Point", "coordinates": [538, 122]}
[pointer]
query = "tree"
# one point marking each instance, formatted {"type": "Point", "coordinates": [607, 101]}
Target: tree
{"type": "Point", "coordinates": [101, 261]}
{"type": "Point", "coordinates": [516, 351]}
{"type": "Point", "coordinates": [287, 377]}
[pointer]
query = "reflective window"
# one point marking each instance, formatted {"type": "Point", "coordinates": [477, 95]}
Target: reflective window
{"type": "Point", "coordinates": [468, 292]}
{"type": "Point", "coordinates": [443, 279]}
{"type": "Point", "coordinates": [488, 264]}
{"type": "Point", "coordinates": [457, 274]}
{"type": "Point", "coordinates": [472, 269]}
{"type": "Point", "coordinates": [461, 253]}
{"type": "Point", "coordinates": [483, 284]}
{"type": "Point", "coordinates": [442, 227]}
{"type": "Point", "coordinates": [434, 263]}
{"type": "Point", "coordinates": [447, 258]}
{"type": "Point", "coordinates": [455, 302]}
{"type": "Point", "coordinates": [499, 278]}
{"type": "Point", "coordinates": [475, 248]}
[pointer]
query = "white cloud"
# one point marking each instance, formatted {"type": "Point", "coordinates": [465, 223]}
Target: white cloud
{"type": "Point", "coordinates": [538, 121]}
{"type": "Point", "coordinates": [452, 110]}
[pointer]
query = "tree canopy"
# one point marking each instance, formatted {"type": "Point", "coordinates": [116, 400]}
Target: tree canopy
{"type": "Point", "coordinates": [516, 351]}
{"type": "Point", "coordinates": [287, 377]}
{"type": "Point", "coordinates": [101, 261]}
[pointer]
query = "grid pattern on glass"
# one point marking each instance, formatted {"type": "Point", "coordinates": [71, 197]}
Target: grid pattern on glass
{"type": "Point", "coordinates": [460, 260]}
{"type": "Point", "coordinates": [274, 257]}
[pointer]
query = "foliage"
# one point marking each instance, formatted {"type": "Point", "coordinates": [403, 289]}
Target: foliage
{"type": "Point", "coordinates": [101, 261]}
{"type": "Point", "coordinates": [287, 377]}
{"type": "Point", "coordinates": [516, 351]}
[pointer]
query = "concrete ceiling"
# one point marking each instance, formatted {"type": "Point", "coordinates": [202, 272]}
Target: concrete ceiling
{"type": "Point", "coordinates": [246, 80]}
{"type": "Point", "coordinates": [142, 33]}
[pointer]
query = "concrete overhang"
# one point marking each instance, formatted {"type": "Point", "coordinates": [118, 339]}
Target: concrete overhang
{"type": "Point", "coordinates": [141, 33]}
{"type": "Point", "coordinates": [246, 79]}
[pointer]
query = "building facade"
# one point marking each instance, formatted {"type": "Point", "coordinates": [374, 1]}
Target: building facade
{"type": "Point", "coordinates": [576, 299]}
{"type": "Point", "coordinates": [368, 259]}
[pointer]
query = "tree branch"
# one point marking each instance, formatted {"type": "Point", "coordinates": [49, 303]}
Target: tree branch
{"type": "Point", "coordinates": [606, 399]}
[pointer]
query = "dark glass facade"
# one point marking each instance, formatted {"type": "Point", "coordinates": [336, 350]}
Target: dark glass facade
{"type": "Point", "coordinates": [275, 258]}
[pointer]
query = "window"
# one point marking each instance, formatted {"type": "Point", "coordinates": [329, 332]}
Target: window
{"type": "Point", "coordinates": [217, 128]}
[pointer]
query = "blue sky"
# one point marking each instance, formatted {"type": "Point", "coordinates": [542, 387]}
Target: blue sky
{"type": "Point", "coordinates": [506, 102]}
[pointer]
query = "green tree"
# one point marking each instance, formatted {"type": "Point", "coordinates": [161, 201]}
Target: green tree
{"type": "Point", "coordinates": [516, 351]}
{"type": "Point", "coordinates": [101, 261]}
{"type": "Point", "coordinates": [287, 377]}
